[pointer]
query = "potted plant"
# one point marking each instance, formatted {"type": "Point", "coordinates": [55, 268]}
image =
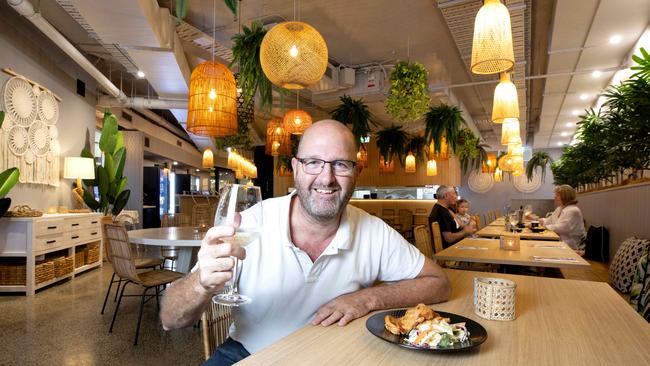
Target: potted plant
{"type": "Point", "coordinates": [539, 159]}
{"type": "Point", "coordinates": [443, 120]}
{"type": "Point", "coordinates": [246, 54]}
{"type": "Point", "coordinates": [108, 178]}
{"type": "Point", "coordinates": [408, 96]}
{"type": "Point", "coordinates": [391, 141]}
{"type": "Point", "coordinates": [470, 151]}
{"type": "Point", "coordinates": [8, 180]}
{"type": "Point", "coordinates": [417, 147]}
{"type": "Point", "coordinates": [355, 113]}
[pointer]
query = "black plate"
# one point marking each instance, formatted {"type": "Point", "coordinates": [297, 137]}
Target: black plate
{"type": "Point", "coordinates": [537, 229]}
{"type": "Point", "coordinates": [477, 334]}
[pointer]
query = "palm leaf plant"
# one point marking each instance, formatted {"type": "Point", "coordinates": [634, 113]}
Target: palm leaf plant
{"type": "Point", "coordinates": [355, 113]}
{"type": "Point", "coordinates": [443, 120]}
{"type": "Point", "coordinates": [540, 159]}
{"type": "Point", "coordinates": [391, 141]}
{"type": "Point", "coordinates": [246, 53]}
{"type": "Point", "coordinates": [408, 96]}
{"type": "Point", "coordinates": [8, 180]}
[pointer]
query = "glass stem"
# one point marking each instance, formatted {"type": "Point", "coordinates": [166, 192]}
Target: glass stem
{"type": "Point", "coordinates": [235, 277]}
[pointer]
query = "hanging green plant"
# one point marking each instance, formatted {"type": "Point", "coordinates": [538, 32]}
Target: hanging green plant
{"type": "Point", "coordinates": [391, 141]}
{"type": "Point", "coordinates": [246, 53]}
{"type": "Point", "coordinates": [470, 151]}
{"type": "Point", "coordinates": [417, 146]}
{"type": "Point", "coordinates": [245, 116]}
{"type": "Point", "coordinates": [408, 96]}
{"type": "Point", "coordinates": [354, 112]}
{"type": "Point", "coordinates": [539, 159]}
{"type": "Point", "coordinates": [181, 9]}
{"type": "Point", "coordinates": [443, 120]}
{"type": "Point", "coordinates": [232, 5]}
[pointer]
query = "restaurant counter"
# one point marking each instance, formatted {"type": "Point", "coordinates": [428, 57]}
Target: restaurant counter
{"type": "Point", "coordinates": [376, 206]}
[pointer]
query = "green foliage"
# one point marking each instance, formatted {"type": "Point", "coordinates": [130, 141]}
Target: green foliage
{"type": "Point", "coordinates": [108, 178]}
{"type": "Point", "coordinates": [2, 117]}
{"type": "Point", "coordinates": [470, 151]}
{"type": "Point", "coordinates": [181, 8]}
{"type": "Point", "coordinates": [232, 5]}
{"type": "Point", "coordinates": [391, 141]}
{"type": "Point", "coordinates": [408, 97]}
{"type": "Point", "coordinates": [242, 140]}
{"type": "Point", "coordinates": [417, 145]}
{"type": "Point", "coordinates": [539, 159]}
{"type": "Point", "coordinates": [354, 112]}
{"type": "Point", "coordinates": [643, 65]}
{"type": "Point", "coordinates": [443, 120]}
{"type": "Point", "coordinates": [246, 53]}
{"type": "Point", "coordinates": [8, 180]}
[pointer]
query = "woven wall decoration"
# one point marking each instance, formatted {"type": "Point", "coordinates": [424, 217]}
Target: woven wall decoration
{"type": "Point", "coordinates": [28, 138]}
{"type": "Point", "coordinates": [480, 182]}
{"type": "Point", "coordinates": [523, 185]}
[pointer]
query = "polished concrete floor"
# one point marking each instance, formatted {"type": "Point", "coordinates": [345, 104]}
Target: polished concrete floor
{"type": "Point", "coordinates": [62, 325]}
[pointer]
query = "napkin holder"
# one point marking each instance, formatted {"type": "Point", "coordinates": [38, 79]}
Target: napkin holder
{"type": "Point", "coordinates": [494, 298]}
{"type": "Point", "coordinates": [509, 242]}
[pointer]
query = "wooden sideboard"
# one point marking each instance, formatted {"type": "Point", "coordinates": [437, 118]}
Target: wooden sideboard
{"type": "Point", "coordinates": [47, 237]}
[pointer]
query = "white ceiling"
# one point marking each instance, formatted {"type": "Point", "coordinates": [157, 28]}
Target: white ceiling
{"type": "Point", "coordinates": [369, 32]}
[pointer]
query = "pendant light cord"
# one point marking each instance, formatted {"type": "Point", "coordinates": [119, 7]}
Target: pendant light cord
{"type": "Point", "coordinates": [214, 26]}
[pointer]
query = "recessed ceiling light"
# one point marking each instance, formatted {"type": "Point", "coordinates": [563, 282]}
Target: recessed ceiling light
{"type": "Point", "coordinates": [175, 163]}
{"type": "Point", "coordinates": [583, 96]}
{"type": "Point", "coordinates": [596, 74]}
{"type": "Point", "coordinates": [570, 124]}
{"type": "Point", "coordinates": [140, 74]}
{"type": "Point", "coordinates": [575, 112]}
{"type": "Point", "coordinates": [560, 144]}
{"type": "Point", "coordinates": [615, 39]}
{"type": "Point", "coordinates": [564, 134]}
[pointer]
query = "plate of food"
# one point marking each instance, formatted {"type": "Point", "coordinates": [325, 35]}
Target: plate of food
{"type": "Point", "coordinates": [538, 229]}
{"type": "Point", "coordinates": [422, 328]}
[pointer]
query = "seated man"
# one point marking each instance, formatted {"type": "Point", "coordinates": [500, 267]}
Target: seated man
{"type": "Point", "coordinates": [451, 230]}
{"type": "Point", "coordinates": [316, 261]}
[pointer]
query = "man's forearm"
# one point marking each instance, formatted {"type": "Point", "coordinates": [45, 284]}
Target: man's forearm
{"type": "Point", "coordinates": [428, 290]}
{"type": "Point", "coordinates": [453, 237]}
{"type": "Point", "coordinates": [183, 302]}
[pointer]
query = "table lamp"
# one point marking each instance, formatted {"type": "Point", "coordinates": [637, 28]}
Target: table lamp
{"type": "Point", "coordinates": [78, 168]}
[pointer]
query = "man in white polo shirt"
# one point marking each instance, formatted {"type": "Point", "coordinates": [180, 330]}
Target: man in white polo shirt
{"type": "Point", "coordinates": [316, 261]}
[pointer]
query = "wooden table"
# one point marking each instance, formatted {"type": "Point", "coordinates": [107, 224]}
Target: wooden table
{"type": "Point", "coordinates": [495, 231]}
{"type": "Point", "coordinates": [501, 221]}
{"type": "Point", "coordinates": [559, 322]}
{"type": "Point", "coordinates": [186, 238]}
{"type": "Point", "coordinates": [467, 250]}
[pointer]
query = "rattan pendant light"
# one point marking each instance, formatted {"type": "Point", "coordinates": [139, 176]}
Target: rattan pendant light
{"type": "Point", "coordinates": [410, 163]}
{"type": "Point", "coordinates": [498, 175]}
{"type": "Point", "coordinates": [277, 138]}
{"type": "Point", "coordinates": [490, 164]}
{"type": "Point", "coordinates": [432, 168]}
{"type": "Point", "coordinates": [386, 168]}
{"type": "Point", "coordinates": [492, 50]}
{"type": "Point", "coordinates": [510, 132]}
{"type": "Point", "coordinates": [506, 102]}
{"type": "Point", "coordinates": [362, 156]}
{"type": "Point", "coordinates": [208, 159]}
{"type": "Point", "coordinates": [293, 55]}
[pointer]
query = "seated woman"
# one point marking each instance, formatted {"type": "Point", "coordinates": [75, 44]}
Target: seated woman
{"type": "Point", "coordinates": [567, 220]}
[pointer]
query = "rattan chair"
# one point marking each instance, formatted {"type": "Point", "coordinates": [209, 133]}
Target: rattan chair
{"type": "Point", "coordinates": [405, 220]}
{"type": "Point", "coordinates": [124, 267]}
{"type": "Point", "coordinates": [423, 240]}
{"type": "Point", "coordinates": [477, 219]}
{"type": "Point", "coordinates": [215, 326]}
{"type": "Point", "coordinates": [170, 253]}
{"type": "Point", "coordinates": [437, 237]}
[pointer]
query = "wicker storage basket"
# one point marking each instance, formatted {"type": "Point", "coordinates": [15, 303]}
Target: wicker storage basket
{"type": "Point", "coordinates": [12, 274]}
{"type": "Point", "coordinates": [62, 266]}
{"type": "Point", "coordinates": [92, 253]}
{"type": "Point", "coordinates": [79, 258]}
{"type": "Point", "coordinates": [44, 272]}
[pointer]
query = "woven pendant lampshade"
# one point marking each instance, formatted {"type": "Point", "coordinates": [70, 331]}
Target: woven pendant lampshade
{"type": "Point", "coordinates": [510, 132]}
{"type": "Point", "coordinates": [490, 164]}
{"type": "Point", "coordinates": [492, 50]}
{"type": "Point", "coordinates": [212, 101]}
{"type": "Point", "coordinates": [506, 163]}
{"type": "Point", "coordinates": [362, 156]}
{"type": "Point", "coordinates": [506, 103]}
{"type": "Point", "coordinates": [409, 163]}
{"type": "Point", "coordinates": [443, 155]}
{"type": "Point", "coordinates": [208, 159]}
{"type": "Point", "coordinates": [516, 150]}
{"type": "Point", "coordinates": [517, 165]}
{"type": "Point", "coordinates": [293, 55]}
{"type": "Point", "coordinates": [296, 121]}
{"type": "Point", "coordinates": [277, 138]}
{"type": "Point", "coordinates": [386, 168]}
{"type": "Point", "coordinates": [432, 168]}
{"type": "Point", "coordinates": [498, 175]}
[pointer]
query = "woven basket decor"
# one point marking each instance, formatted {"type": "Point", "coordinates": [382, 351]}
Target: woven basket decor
{"type": "Point", "coordinates": [44, 272]}
{"type": "Point", "coordinates": [62, 266]}
{"type": "Point", "coordinates": [494, 298]}
{"type": "Point", "coordinates": [12, 273]}
{"type": "Point", "coordinates": [20, 101]}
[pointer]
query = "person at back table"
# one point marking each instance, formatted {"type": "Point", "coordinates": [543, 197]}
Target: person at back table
{"type": "Point", "coordinates": [451, 230]}
{"type": "Point", "coordinates": [566, 220]}
{"type": "Point", "coordinates": [317, 260]}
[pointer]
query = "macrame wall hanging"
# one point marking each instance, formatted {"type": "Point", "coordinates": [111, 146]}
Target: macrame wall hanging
{"type": "Point", "coordinates": [28, 137]}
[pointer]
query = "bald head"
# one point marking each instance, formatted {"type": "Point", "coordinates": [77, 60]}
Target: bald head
{"type": "Point", "coordinates": [328, 132]}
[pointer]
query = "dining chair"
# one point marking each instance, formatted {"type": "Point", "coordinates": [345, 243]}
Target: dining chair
{"type": "Point", "coordinates": [215, 326]}
{"type": "Point", "coordinates": [124, 267]}
{"type": "Point", "coordinates": [405, 220]}
{"type": "Point", "coordinates": [170, 253]}
{"type": "Point", "coordinates": [421, 217]}
{"type": "Point", "coordinates": [423, 240]}
{"type": "Point", "coordinates": [437, 237]}
{"type": "Point", "coordinates": [486, 219]}
{"type": "Point", "coordinates": [479, 224]}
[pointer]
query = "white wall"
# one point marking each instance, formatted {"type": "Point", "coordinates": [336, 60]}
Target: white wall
{"type": "Point", "coordinates": [25, 50]}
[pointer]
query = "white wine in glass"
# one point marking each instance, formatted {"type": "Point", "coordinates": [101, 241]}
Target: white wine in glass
{"type": "Point", "coordinates": [234, 200]}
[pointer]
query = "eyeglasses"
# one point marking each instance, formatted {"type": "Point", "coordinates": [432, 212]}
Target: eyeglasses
{"type": "Point", "coordinates": [313, 166]}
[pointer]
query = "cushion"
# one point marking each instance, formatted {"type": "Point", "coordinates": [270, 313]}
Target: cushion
{"type": "Point", "coordinates": [623, 266]}
{"type": "Point", "coordinates": [640, 289]}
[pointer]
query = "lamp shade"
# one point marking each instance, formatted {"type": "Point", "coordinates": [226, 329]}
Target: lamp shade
{"type": "Point", "coordinates": [510, 132]}
{"type": "Point", "coordinates": [498, 175]}
{"type": "Point", "coordinates": [410, 163]}
{"type": "Point", "coordinates": [506, 163]}
{"type": "Point", "coordinates": [490, 164]}
{"type": "Point", "coordinates": [293, 55]}
{"type": "Point", "coordinates": [212, 101]}
{"type": "Point", "coordinates": [506, 102]}
{"type": "Point", "coordinates": [208, 159]}
{"type": "Point", "coordinates": [362, 156]}
{"type": "Point", "coordinates": [77, 167]}
{"type": "Point", "coordinates": [386, 168]}
{"type": "Point", "coordinates": [432, 168]}
{"type": "Point", "coordinates": [492, 50]}
{"type": "Point", "coordinates": [296, 121]}
{"type": "Point", "coordinates": [517, 166]}
{"type": "Point", "coordinates": [278, 141]}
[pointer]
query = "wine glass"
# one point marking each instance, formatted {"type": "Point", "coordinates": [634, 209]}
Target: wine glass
{"type": "Point", "coordinates": [235, 199]}
{"type": "Point", "coordinates": [513, 221]}
{"type": "Point", "coordinates": [528, 210]}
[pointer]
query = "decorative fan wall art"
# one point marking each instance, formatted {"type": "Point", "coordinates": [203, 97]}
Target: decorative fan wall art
{"type": "Point", "coordinates": [39, 138]}
{"type": "Point", "coordinates": [20, 101]}
{"type": "Point", "coordinates": [523, 185]}
{"type": "Point", "coordinates": [17, 140]}
{"type": "Point", "coordinates": [48, 108]}
{"type": "Point", "coordinates": [480, 182]}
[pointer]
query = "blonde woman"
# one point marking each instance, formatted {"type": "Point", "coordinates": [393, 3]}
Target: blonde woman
{"type": "Point", "coordinates": [567, 219]}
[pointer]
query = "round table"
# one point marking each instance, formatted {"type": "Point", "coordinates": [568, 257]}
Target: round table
{"type": "Point", "coordinates": [186, 238]}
